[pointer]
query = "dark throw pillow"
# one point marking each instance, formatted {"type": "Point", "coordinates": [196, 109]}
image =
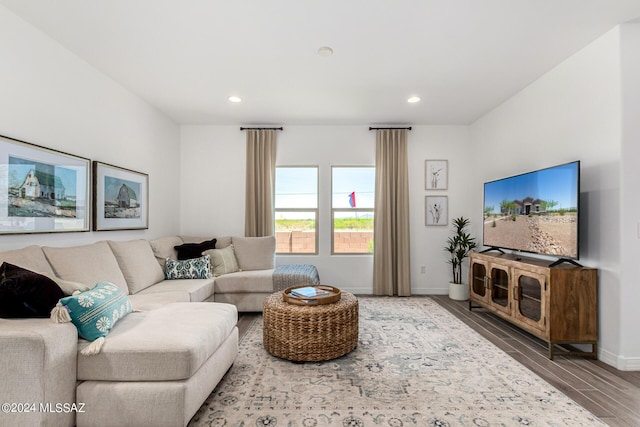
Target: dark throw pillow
{"type": "Point", "coordinates": [194, 250]}
{"type": "Point", "coordinates": [24, 293]}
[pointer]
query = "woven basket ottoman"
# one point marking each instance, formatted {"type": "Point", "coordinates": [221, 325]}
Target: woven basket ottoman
{"type": "Point", "coordinates": [310, 333]}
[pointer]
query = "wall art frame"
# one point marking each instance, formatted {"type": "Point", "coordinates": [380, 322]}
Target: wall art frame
{"type": "Point", "coordinates": [436, 210]}
{"type": "Point", "coordinates": [42, 190]}
{"type": "Point", "coordinates": [436, 174]}
{"type": "Point", "coordinates": [120, 198]}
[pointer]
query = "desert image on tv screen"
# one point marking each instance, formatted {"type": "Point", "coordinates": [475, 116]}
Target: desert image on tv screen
{"type": "Point", "coordinates": [534, 212]}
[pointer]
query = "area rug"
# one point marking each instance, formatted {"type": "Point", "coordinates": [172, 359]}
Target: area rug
{"type": "Point", "coordinates": [415, 365]}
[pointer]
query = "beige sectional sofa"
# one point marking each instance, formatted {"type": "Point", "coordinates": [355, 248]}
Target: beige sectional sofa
{"type": "Point", "coordinates": [157, 365]}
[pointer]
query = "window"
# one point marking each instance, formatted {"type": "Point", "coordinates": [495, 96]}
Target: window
{"type": "Point", "coordinates": [296, 210]}
{"type": "Point", "coordinates": [352, 202]}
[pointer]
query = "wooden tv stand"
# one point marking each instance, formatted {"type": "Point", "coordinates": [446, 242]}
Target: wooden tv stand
{"type": "Point", "coordinates": [556, 304]}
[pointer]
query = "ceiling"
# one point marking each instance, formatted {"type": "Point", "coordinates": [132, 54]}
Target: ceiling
{"type": "Point", "coordinates": [462, 57]}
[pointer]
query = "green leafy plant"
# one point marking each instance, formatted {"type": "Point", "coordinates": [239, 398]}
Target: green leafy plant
{"type": "Point", "coordinates": [458, 246]}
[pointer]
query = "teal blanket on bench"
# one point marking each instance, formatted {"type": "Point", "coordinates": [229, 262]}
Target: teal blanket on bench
{"type": "Point", "coordinates": [288, 275]}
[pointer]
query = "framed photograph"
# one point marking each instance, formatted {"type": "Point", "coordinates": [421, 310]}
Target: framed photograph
{"type": "Point", "coordinates": [42, 190]}
{"type": "Point", "coordinates": [436, 174]}
{"type": "Point", "coordinates": [436, 210]}
{"type": "Point", "coordinates": [120, 198]}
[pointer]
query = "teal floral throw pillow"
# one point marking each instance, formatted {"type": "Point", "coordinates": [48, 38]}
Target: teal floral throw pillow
{"type": "Point", "coordinates": [195, 268]}
{"type": "Point", "coordinates": [94, 313]}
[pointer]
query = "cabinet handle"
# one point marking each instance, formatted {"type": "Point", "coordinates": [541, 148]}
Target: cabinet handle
{"type": "Point", "coordinates": [486, 282]}
{"type": "Point", "coordinates": [515, 293]}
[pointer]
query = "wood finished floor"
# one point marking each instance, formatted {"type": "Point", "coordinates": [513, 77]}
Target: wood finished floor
{"type": "Point", "coordinates": [610, 394]}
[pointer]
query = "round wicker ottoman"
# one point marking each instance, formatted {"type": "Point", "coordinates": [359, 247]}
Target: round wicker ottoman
{"type": "Point", "coordinates": [310, 333]}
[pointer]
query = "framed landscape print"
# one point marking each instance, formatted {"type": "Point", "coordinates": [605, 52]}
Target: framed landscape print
{"type": "Point", "coordinates": [120, 198]}
{"type": "Point", "coordinates": [42, 190]}
{"type": "Point", "coordinates": [436, 210]}
{"type": "Point", "coordinates": [436, 174]}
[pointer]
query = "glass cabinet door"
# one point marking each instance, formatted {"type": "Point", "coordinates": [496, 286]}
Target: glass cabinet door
{"type": "Point", "coordinates": [478, 279]}
{"type": "Point", "coordinates": [500, 288]}
{"type": "Point", "coordinates": [530, 298]}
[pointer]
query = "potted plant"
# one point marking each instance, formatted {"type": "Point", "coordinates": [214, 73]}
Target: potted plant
{"type": "Point", "coordinates": [458, 246]}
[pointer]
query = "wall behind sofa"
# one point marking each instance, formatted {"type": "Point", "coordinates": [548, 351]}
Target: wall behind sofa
{"type": "Point", "coordinates": [52, 98]}
{"type": "Point", "coordinates": [213, 182]}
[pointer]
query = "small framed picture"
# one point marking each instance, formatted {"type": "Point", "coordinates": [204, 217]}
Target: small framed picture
{"type": "Point", "coordinates": [436, 210]}
{"type": "Point", "coordinates": [120, 198]}
{"type": "Point", "coordinates": [436, 174]}
{"type": "Point", "coordinates": [42, 190]}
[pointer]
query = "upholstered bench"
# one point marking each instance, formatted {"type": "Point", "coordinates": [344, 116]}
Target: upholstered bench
{"type": "Point", "coordinates": [157, 367]}
{"type": "Point", "coordinates": [288, 275]}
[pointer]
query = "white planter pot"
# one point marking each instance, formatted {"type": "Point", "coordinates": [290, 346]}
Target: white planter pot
{"type": "Point", "coordinates": [458, 292]}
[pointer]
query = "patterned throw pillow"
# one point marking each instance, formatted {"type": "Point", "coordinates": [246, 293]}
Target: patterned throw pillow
{"type": "Point", "coordinates": [195, 268]}
{"type": "Point", "coordinates": [95, 311]}
{"type": "Point", "coordinates": [223, 261]}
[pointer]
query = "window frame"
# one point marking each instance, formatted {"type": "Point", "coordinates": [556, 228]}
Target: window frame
{"type": "Point", "coordinates": [334, 210]}
{"type": "Point", "coordinates": [315, 210]}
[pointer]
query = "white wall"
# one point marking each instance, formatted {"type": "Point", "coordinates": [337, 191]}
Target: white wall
{"type": "Point", "coordinates": [52, 98]}
{"type": "Point", "coordinates": [212, 180]}
{"type": "Point", "coordinates": [630, 206]}
{"type": "Point", "coordinates": [215, 155]}
{"type": "Point", "coordinates": [427, 242]}
{"type": "Point", "coordinates": [572, 113]}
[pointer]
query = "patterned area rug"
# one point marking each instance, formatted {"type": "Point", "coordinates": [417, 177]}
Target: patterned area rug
{"type": "Point", "coordinates": [415, 365]}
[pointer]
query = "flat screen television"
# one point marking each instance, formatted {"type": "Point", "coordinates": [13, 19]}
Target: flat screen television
{"type": "Point", "coordinates": [535, 212]}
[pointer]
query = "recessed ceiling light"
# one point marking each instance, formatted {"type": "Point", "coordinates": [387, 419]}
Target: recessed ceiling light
{"type": "Point", "coordinates": [325, 51]}
{"type": "Point", "coordinates": [413, 99]}
{"type": "Point", "coordinates": [234, 99]}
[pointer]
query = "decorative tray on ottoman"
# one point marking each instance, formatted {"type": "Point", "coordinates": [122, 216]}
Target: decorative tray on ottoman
{"type": "Point", "coordinates": [311, 295]}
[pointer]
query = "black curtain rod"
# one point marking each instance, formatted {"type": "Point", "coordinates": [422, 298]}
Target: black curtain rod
{"type": "Point", "coordinates": [408, 128]}
{"type": "Point", "coordinates": [280, 128]}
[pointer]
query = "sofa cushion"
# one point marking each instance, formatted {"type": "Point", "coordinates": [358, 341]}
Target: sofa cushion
{"type": "Point", "coordinates": [223, 242]}
{"type": "Point", "coordinates": [197, 289]}
{"type": "Point", "coordinates": [255, 253]}
{"type": "Point", "coordinates": [24, 293]}
{"type": "Point", "coordinates": [163, 249]}
{"type": "Point", "coordinates": [245, 282]}
{"type": "Point", "coordinates": [223, 261]}
{"type": "Point", "coordinates": [195, 268]}
{"type": "Point", "coordinates": [194, 250]}
{"type": "Point", "coordinates": [152, 301]}
{"type": "Point", "coordinates": [138, 264]}
{"type": "Point", "coordinates": [194, 239]}
{"type": "Point", "coordinates": [96, 311]}
{"type": "Point", "coordinates": [32, 258]}
{"type": "Point", "coordinates": [68, 287]}
{"type": "Point", "coordinates": [170, 343]}
{"type": "Point", "coordinates": [89, 264]}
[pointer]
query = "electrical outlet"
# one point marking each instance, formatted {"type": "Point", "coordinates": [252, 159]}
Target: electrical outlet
{"type": "Point", "coordinates": [423, 269]}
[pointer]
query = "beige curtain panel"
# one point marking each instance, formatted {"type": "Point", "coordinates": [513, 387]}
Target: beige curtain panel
{"type": "Point", "coordinates": [260, 186]}
{"type": "Point", "coordinates": [391, 266]}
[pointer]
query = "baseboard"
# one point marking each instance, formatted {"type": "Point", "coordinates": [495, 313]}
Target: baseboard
{"type": "Point", "coordinates": [619, 362]}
